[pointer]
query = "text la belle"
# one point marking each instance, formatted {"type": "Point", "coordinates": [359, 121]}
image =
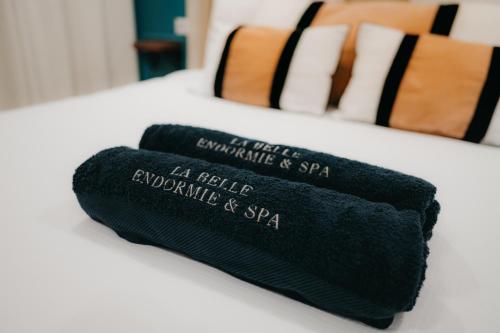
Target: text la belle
{"type": "Point", "coordinates": [205, 194]}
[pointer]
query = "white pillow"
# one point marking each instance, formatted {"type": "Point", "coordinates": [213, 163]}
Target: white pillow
{"type": "Point", "coordinates": [271, 13]}
{"type": "Point", "coordinates": [477, 22]}
{"type": "Point", "coordinates": [280, 13]}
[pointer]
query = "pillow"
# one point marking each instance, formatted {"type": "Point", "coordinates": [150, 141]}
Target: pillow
{"type": "Point", "coordinates": [271, 13]}
{"type": "Point", "coordinates": [475, 22]}
{"type": "Point", "coordinates": [278, 68]}
{"type": "Point", "coordinates": [428, 83]}
{"type": "Point", "coordinates": [283, 14]}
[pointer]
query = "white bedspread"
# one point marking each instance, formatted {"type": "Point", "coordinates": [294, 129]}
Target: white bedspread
{"type": "Point", "coordinates": [61, 272]}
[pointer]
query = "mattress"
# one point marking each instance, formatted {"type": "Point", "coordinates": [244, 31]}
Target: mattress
{"type": "Point", "coordinates": [61, 272]}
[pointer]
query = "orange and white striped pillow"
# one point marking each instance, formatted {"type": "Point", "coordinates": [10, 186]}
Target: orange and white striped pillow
{"type": "Point", "coordinates": [427, 83]}
{"type": "Point", "coordinates": [474, 22]}
{"type": "Point", "coordinates": [279, 68]}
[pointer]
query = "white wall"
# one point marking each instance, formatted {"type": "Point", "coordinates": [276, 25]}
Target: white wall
{"type": "Point", "coordinates": [198, 13]}
{"type": "Point", "coordinates": [51, 49]}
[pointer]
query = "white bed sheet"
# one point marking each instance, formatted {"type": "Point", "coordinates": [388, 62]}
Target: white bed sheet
{"type": "Point", "coordinates": [61, 272]}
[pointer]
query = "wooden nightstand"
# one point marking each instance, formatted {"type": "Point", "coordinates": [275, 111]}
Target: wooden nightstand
{"type": "Point", "coordinates": [160, 49]}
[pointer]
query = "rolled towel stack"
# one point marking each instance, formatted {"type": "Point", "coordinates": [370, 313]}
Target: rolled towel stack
{"type": "Point", "coordinates": [347, 255]}
{"type": "Point", "coordinates": [296, 164]}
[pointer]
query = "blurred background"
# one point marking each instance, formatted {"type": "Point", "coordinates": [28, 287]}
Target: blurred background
{"type": "Point", "coordinates": [51, 49]}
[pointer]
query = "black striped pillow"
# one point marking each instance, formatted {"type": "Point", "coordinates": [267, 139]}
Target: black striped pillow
{"type": "Point", "coordinates": [278, 68]}
{"type": "Point", "coordinates": [427, 83]}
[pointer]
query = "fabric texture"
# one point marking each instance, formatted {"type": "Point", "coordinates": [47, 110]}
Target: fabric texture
{"type": "Point", "coordinates": [341, 253]}
{"type": "Point", "coordinates": [409, 17]}
{"type": "Point", "coordinates": [429, 84]}
{"type": "Point", "coordinates": [282, 14]}
{"type": "Point", "coordinates": [301, 165]}
{"type": "Point", "coordinates": [472, 22]}
{"type": "Point", "coordinates": [279, 68]}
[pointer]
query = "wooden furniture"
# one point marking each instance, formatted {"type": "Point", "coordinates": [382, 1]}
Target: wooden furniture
{"type": "Point", "coordinates": [160, 49]}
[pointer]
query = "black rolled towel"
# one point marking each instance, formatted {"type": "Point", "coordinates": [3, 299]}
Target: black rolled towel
{"type": "Point", "coordinates": [328, 171]}
{"type": "Point", "coordinates": [335, 251]}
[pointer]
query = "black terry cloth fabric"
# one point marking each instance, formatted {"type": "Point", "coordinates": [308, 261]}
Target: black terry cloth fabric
{"type": "Point", "coordinates": [347, 176]}
{"type": "Point", "coordinates": [335, 251]}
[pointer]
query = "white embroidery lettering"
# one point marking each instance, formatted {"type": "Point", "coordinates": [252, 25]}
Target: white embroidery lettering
{"type": "Point", "coordinates": [137, 176]}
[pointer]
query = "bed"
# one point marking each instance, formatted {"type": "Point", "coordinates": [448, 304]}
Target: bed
{"type": "Point", "coordinates": [63, 272]}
